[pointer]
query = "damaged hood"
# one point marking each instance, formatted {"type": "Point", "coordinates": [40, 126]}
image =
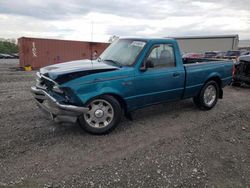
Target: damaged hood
{"type": "Point", "coordinates": [74, 69]}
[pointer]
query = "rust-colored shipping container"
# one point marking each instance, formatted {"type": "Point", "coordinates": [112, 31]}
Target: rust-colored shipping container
{"type": "Point", "coordinates": [42, 52]}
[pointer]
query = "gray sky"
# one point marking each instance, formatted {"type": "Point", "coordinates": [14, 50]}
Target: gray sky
{"type": "Point", "coordinates": [154, 18]}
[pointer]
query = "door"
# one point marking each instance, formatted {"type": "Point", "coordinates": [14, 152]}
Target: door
{"type": "Point", "coordinates": [163, 80]}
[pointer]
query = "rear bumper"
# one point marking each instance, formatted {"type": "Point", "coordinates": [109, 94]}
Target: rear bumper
{"type": "Point", "coordinates": [57, 111]}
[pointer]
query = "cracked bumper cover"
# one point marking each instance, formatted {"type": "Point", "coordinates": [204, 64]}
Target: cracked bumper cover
{"type": "Point", "coordinates": [57, 111]}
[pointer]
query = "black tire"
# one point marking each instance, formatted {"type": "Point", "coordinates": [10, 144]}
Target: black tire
{"type": "Point", "coordinates": [200, 99]}
{"type": "Point", "coordinates": [117, 112]}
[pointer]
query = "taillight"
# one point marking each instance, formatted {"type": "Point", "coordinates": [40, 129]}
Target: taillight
{"type": "Point", "coordinates": [233, 71]}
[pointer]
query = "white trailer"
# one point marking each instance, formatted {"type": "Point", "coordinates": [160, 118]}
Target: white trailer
{"type": "Point", "coordinates": [202, 44]}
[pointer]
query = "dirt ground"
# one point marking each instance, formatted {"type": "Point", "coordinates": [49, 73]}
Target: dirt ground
{"type": "Point", "coordinates": [169, 145]}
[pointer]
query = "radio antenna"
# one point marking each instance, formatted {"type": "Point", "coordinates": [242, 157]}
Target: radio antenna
{"type": "Point", "coordinates": [91, 43]}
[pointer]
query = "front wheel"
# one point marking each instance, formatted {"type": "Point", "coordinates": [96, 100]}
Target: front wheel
{"type": "Point", "coordinates": [103, 116]}
{"type": "Point", "coordinates": [208, 96]}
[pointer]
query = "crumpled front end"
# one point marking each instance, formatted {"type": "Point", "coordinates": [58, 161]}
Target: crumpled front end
{"type": "Point", "coordinates": [56, 102]}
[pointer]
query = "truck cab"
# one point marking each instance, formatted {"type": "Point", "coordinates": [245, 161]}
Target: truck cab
{"type": "Point", "coordinates": [160, 74]}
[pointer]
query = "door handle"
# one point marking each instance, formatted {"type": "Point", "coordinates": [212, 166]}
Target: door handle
{"type": "Point", "coordinates": [176, 74]}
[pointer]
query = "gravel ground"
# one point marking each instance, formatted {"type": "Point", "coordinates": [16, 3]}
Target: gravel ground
{"type": "Point", "coordinates": [168, 145]}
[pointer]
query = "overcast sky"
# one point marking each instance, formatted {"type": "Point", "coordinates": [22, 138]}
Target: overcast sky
{"type": "Point", "coordinates": [64, 19]}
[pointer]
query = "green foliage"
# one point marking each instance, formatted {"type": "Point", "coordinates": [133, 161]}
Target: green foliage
{"type": "Point", "coordinates": [8, 46]}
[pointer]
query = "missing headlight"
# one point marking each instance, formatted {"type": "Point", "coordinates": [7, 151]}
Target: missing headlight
{"type": "Point", "coordinates": [57, 89]}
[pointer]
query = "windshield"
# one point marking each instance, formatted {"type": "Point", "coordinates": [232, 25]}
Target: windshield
{"type": "Point", "coordinates": [123, 51]}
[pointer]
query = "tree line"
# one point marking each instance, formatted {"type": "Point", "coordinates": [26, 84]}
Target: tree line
{"type": "Point", "coordinates": [8, 46]}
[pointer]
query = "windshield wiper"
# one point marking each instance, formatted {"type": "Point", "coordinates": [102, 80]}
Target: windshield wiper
{"type": "Point", "coordinates": [113, 61]}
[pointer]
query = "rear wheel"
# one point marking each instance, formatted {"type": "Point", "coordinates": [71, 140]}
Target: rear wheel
{"type": "Point", "coordinates": [208, 96]}
{"type": "Point", "coordinates": [103, 116]}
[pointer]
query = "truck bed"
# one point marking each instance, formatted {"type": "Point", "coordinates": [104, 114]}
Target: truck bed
{"type": "Point", "coordinates": [197, 73]}
{"type": "Point", "coordinates": [198, 60]}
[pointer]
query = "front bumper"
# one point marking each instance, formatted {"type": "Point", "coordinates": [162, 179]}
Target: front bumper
{"type": "Point", "coordinates": [57, 111]}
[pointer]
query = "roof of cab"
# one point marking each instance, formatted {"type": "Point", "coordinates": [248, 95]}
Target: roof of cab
{"type": "Point", "coordinates": [150, 39]}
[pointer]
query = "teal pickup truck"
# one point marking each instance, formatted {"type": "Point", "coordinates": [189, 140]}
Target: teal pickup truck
{"type": "Point", "coordinates": [130, 74]}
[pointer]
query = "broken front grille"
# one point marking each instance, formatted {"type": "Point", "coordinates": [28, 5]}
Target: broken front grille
{"type": "Point", "coordinates": [44, 82]}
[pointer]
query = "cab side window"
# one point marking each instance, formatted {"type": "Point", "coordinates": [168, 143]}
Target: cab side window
{"type": "Point", "coordinates": [161, 55]}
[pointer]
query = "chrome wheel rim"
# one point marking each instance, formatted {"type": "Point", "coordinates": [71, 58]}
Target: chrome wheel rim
{"type": "Point", "coordinates": [210, 95]}
{"type": "Point", "coordinates": [100, 114]}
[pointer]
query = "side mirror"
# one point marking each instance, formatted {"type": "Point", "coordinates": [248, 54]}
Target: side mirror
{"type": "Point", "coordinates": [143, 68]}
{"type": "Point", "coordinates": [146, 65]}
{"type": "Point", "coordinates": [149, 64]}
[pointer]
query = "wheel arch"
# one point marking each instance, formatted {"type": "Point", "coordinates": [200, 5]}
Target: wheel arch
{"type": "Point", "coordinates": [118, 97]}
{"type": "Point", "coordinates": [217, 79]}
